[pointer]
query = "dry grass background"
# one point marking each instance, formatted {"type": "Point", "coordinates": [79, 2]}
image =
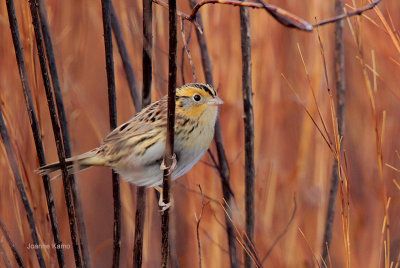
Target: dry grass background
{"type": "Point", "coordinates": [291, 156]}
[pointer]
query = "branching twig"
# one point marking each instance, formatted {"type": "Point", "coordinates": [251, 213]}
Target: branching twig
{"type": "Point", "coordinates": [356, 12]}
{"type": "Point", "coordinates": [169, 146]}
{"type": "Point", "coordinates": [35, 128]}
{"type": "Point", "coordinates": [282, 16]}
{"type": "Point", "coordinates": [14, 250]}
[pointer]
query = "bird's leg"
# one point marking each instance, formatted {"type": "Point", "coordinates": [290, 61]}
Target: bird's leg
{"type": "Point", "coordinates": [161, 203]}
{"type": "Point", "coordinates": [173, 165]}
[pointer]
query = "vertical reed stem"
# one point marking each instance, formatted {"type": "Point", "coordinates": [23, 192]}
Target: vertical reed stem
{"type": "Point", "coordinates": [169, 147]}
{"type": "Point", "coordinates": [64, 130]}
{"type": "Point", "coordinates": [248, 129]}
{"type": "Point", "coordinates": [340, 98]}
{"type": "Point", "coordinates": [35, 128]}
{"type": "Point", "coordinates": [223, 167]}
{"type": "Point", "coordinates": [146, 100]}
{"type": "Point", "coordinates": [130, 76]}
{"type": "Point", "coordinates": [56, 130]}
{"type": "Point", "coordinates": [112, 105]}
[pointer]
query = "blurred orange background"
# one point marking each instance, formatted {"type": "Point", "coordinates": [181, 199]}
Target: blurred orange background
{"type": "Point", "coordinates": [292, 158]}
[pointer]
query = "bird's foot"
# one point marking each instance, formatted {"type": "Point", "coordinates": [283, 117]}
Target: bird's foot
{"type": "Point", "coordinates": [164, 206]}
{"type": "Point", "coordinates": [172, 167]}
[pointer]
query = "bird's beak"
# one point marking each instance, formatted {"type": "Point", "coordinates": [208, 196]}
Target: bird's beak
{"type": "Point", "coordinates": [215, 101]}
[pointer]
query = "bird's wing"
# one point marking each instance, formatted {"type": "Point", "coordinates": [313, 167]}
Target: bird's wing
{"type": "Point", "coordinates": [146, 120]}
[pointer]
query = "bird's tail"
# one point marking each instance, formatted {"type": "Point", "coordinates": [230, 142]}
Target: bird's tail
{"type": "Point", "coordinates": [74, 164]}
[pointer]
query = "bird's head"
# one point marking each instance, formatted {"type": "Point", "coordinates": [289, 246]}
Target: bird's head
{"type": "Point", "coordinates": [196, 100]}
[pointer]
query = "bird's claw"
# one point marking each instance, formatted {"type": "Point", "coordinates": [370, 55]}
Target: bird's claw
{"type": "Point", "coordinates": [164, 206]}
{"type": "Point", "coordinates": [170, 168]}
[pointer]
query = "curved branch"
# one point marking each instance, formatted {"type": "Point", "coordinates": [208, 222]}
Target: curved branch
{"type": "Point", "coordinates": [284, 17]}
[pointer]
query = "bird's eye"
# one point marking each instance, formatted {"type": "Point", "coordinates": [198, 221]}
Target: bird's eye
{"type": "Point", "coordinates": [197, 97]}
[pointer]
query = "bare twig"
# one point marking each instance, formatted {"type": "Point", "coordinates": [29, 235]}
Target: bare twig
{"type": "Point", "coordinates": [356, 12]}
{"type": "Point", "coordinates": [340, 99]}
{"type": "Point", "coordinates": [186, 48]}
{"type": "Point", "coordinates": [112, 105]}
{"type": "Point", "coordinates": [198, 219]}
{"type": "Point", "coordinates": [248, 118]}
{"type": "Point", "coordinates": [3, 228]}
{"type": "Point", "coordinates": [146, 100]}
{"type": "Point", "coordinates": [169, 146]}
{"type": "Point", "coordinates": [223, 167]}
{"type": "Point", "coordinates": [123, 51]}
{"type": "Point", "coordinates": [282, 234]}
{"type": "Point", "coordinates": [57, 133]}
{"type": "Point", "coordinates": [282, 16]}
{"type": "Point", "coordinates": [35, 128]}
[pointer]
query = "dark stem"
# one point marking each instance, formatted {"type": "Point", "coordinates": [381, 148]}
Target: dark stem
{"type": "Point", "coordinates": [3, 228]}
{"type": "Point", "coordinates": [248, 129]}
{"type": "Point", "coordinates": [169, 146]}
{"type": "Point", "coordinates": [146, 100]}
{"type": "Point", "coordinates": [340, 98]}
{"type": "Point", "coordinates": [56, 130]}
{"type": "Point", "coordinates": [112, 107]}
{"type": "Point", "coordinates": [223, 167]}
{"type": "Point", "coordinates": [35, 128]}
{"type": "Point", "coordinates": [123, 51]}
{"type": "Point", "coordinates": [64, 130]}
{"type": "Point", "coordinates": [21, 188]}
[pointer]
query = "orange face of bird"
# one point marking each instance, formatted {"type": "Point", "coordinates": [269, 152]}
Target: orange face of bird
{"type": "Point", "coordinates": [192, 100]}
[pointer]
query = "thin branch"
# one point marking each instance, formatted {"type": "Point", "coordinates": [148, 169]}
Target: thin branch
{"type": "Point", "coordinates": [123, 51]}
{"type": "Point", "coordinates": [282, 234]}
{"type": "Point", "coordinates": [248, 118]}
{"type": "Point", "coordinates": [3, 228]}
{"type": "Point", "coordinates": [346, 15]}
{"type": "Point", "coordinates": [56, 129]}
{"type": "Point", "coordinates": [223, 167]}
{"type": "Point", "coordinates": [64, 130]}
{"type": "Point", "coordinates": [284, 17]}
{"type": "Point", "coordinates": [186, 48]}
{"type": "Point", "coordinates": [340, 99]}
{"type": "Point", "coordinates": [35, 128]}
{"type": "Point", "coordinates": [169, 146]}
{"type": "Point", "coordinates": [112, 106]}
{"type": "Point", "coordinates": [146, 100]}
{"type": "Point", "coordinates": [198, 219]}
